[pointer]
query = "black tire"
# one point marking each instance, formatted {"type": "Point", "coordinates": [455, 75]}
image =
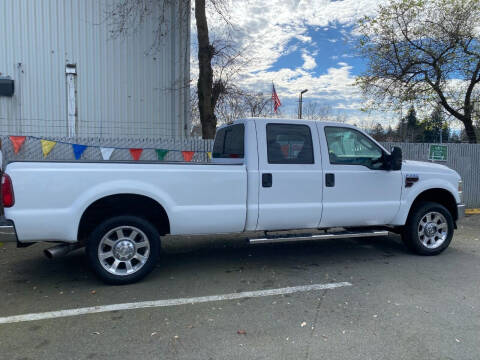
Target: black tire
{"type": "Point", "coordinates": [126, 224]}
{"type": "Point", "coordinates": [415, 242]}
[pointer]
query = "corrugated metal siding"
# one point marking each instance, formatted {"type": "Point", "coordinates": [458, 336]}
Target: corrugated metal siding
{"type": "Point", "coordinates": [122, 89]}
{"type": "Point", "coordinates": [463, 158]}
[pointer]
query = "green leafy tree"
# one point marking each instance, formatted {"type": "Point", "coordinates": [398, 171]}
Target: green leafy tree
{"type": "Point", "coordinates": [413, 128]}
{"type": "Point", "coordinates": [435, 128]}
{"type": "Point", "coordinates": [426, 52]}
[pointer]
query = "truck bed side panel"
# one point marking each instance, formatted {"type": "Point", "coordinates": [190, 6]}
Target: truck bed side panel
{"type": "Point", "coordinates": [50, 197]}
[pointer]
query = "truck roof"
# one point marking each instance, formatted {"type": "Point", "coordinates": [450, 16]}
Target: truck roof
{"type": "Point", "coordinates": [289, 121]}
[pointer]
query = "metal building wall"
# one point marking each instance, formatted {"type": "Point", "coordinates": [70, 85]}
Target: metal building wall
{"type": "Point", "coordinates": [122, 87]}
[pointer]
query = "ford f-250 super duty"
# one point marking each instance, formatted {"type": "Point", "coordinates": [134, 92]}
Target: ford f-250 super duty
{"type": "Point", "coordinates": [265, 175]}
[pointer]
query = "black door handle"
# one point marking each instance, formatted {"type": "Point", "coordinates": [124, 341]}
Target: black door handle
{"type": "Point", "coordinates": [329, 180]}
{"type": "Point", "coordinates": [267, 180]}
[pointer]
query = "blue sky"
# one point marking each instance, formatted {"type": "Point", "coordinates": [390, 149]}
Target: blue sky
{"type": "Point", "coordinates": [329, 46]}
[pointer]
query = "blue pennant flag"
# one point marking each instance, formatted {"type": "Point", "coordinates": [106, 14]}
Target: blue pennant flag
{"type": "Point", "coordinates": [78, 150]}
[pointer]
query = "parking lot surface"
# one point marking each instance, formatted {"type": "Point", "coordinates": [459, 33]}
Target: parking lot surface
{"type": "Point", "coordinates": [398, 306]}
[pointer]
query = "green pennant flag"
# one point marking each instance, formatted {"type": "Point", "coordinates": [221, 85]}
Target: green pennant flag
{"type": "Point", "coordinates": [161, 153]}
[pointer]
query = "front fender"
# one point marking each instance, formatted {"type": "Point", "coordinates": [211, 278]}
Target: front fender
{"type": "Point", "coordinates": [410, 194]}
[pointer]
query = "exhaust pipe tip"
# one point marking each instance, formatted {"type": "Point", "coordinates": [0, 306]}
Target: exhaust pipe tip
{"type": "Point", "coordinates": [60, 250]}
{"type": "Point", "coordinates": [48, 254]}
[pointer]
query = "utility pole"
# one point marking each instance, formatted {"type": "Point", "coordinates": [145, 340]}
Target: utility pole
{"type": "Point", "coordinates": [300, 103]}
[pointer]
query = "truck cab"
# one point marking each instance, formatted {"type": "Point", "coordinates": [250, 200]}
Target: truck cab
{"type": "Point", "coordinates": [307, 174]}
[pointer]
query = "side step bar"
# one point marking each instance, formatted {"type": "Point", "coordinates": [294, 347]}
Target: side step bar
{"type": "Point", "coordinates": [307, 237]}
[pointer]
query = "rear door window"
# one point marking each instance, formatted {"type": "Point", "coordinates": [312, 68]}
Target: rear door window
{"type": "Point", "coordinates": [289, 144]}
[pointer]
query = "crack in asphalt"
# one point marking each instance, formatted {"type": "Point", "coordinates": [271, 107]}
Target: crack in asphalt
{"type": "Point", "coordinates": [314, 326]}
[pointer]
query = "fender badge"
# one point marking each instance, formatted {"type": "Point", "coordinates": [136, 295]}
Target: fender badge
{"type": "Point", "coordinates": [410, 179]}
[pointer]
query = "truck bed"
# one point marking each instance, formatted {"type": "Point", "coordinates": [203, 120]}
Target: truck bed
{"type": "Point", "coordinates": [50, 199]}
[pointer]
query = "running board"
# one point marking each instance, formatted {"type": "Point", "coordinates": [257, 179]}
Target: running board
{"type": "Point", "coordinates": [308, 237]}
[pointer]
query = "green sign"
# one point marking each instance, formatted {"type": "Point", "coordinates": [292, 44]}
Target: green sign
{"type": "Point", "coordinates": [438, 152]}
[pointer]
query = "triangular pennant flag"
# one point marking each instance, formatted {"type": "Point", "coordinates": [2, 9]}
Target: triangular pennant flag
{"type": "Point", "coordinates": [188, 155]}
{"type": "Point", "coordinates": [209, 155]}
{"type": "Point", "coordinates": [106, 153]}
{"type": "Point", "coordinates": [136, 153]}
{"type": "Point", "coordinates": [17, 142]}
{"type": "Point", "coordinates": [47, 146]}
{"type": "Point", "coordinates": [78, 150]}
{"type": "Point", "coordinates": [161, 153]}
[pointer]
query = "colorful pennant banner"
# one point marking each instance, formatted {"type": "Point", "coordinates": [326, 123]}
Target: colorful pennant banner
{"type": "Point", "coordinates": [17, 142]}
{"type": "Point", "coordinates": [106, 152]}
{"type": "Point", "coordinates": [136, 153]}
{"type": "Point", "coordinates": [188, 155]}
{"type": "Point", "coordinates": [161, 153]}
{"type": "Point", "coordinates": [47, 146]}
{"type": "Point", "coordinates": [78, 150]}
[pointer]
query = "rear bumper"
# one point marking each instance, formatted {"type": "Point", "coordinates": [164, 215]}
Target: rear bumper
{"type": "Point", "coordinates": [460, 212]}
{"type": "Point", "coordinates": [7, 231]}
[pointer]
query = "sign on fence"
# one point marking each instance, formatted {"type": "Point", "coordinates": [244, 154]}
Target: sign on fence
{"type": "Point", "coordinates": [438, 152]}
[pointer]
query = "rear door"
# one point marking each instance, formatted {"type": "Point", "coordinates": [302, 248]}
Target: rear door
{"type": "Point", "coordinates": [291, 177]}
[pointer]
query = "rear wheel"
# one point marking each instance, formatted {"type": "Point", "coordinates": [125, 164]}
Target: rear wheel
{"type": "Point", "coordinates": [429, 229]}
{"type": "Point", "coordinates": [123, 249]}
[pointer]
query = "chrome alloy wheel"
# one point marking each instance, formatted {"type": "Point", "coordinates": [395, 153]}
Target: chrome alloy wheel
{"type": "Point", "coordinates": [433, 230]}
{"type": "Point", "coordinates": [124, 250]}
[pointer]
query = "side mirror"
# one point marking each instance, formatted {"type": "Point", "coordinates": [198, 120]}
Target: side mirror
{"type": "Point", "coordinates": [396, 159]}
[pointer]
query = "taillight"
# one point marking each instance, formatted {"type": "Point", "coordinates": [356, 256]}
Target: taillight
{"type": "Point", "coordinates": [8, 198]}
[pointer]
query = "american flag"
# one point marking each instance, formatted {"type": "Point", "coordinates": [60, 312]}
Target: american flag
{"type": "Point", "coordinates": [276, 100]}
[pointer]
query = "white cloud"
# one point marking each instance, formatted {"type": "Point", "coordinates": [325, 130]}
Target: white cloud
{"type": "Point", "coordinates": [304, 38]}
{"type": "Point", "coordinates": [265, 28]}
{"type": "Point", "coordinates": [335, 84]}
{"type": "Point", "coordinates": [309, 62]}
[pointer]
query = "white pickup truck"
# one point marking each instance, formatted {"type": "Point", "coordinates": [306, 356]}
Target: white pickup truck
{"type": "Point", "coordinates": [266, 175]}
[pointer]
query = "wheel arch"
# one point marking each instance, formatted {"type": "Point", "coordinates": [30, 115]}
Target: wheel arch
{"type": "Point", "coordinates": [123, 204]}
{"type": "Point", "coordinates": [437, 195]}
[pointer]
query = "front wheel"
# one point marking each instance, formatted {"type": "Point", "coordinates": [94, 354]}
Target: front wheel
{"type": "Point", "coordinates": [429, 229]}
{"type": "Point", "coordinates": [123, 249]}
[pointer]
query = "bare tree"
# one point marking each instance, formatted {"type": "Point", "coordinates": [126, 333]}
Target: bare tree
{"type": "Point", "coordinates": [239, 103]}
{"type": "Point", "coordinates": [317, 111]}
{"type": "Point", "coordinates": [217, 59]}
{"type": "Point", "coordinates": [426, 52]}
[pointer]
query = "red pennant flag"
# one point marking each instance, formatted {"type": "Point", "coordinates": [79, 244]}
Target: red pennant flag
{"type": "Point", "coordinates": [188, 155]}
{"type": "Point", "coordinates": [17, 142]}
{"type": "Point", "coordinates": [136, 153]}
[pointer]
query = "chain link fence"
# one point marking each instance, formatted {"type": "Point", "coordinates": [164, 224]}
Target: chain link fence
{"type": "Point", "coordinates": [63, 150]}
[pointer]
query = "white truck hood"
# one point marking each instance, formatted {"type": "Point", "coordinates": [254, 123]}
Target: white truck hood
{"type": "Point", "coordinates": [429, 167]}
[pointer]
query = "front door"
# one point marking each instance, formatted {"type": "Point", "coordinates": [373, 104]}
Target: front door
{"type": "Point", "coordinates": [357, 191]}
{"type": "Point", "coordinates": [291, 177]}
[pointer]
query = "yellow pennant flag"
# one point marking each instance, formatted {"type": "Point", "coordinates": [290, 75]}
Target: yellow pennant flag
{"type": "Point", "coordinates": [209, 154]}
{"type": "Point", "coordinates": [47, 146]}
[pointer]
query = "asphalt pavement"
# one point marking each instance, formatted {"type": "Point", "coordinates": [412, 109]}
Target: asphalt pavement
{"type": "Point", "coordinates": [398, 306]}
